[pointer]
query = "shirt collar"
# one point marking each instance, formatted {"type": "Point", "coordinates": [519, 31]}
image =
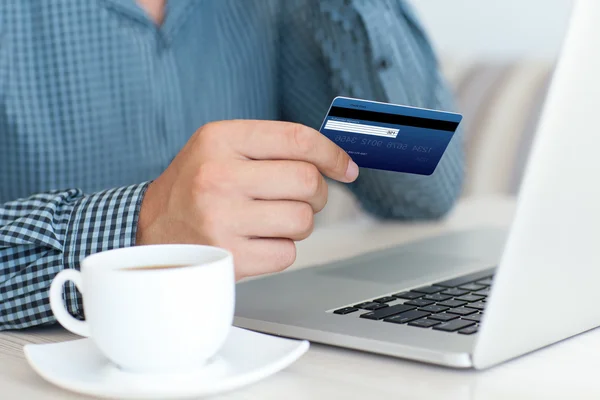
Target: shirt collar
{"type": "Point", "coordinates": [176, 13]}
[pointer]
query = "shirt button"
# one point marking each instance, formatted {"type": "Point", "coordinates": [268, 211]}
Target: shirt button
{"type": "Point", "coordinates": [382, 64]}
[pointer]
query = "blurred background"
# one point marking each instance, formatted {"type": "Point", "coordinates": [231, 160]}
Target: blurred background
{"type": "Point", "coordinates": [496, 30]}
{"type": "Point", "coordinates": [498, 56]}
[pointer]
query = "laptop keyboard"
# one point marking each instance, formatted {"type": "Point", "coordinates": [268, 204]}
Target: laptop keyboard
{"type": "Point", "coordinates": [454, 305]}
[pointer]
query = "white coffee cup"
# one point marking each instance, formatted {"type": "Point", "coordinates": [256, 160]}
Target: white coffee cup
{"type": "Point", "coordinates": [149, 319]}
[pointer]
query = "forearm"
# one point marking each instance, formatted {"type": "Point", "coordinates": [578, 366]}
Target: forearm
{"type": "Point", "coordinates": [49, 232]}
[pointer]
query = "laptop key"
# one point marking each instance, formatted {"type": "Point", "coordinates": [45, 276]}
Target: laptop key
{"type": "Point", "coordinates": [345, 310]}
{"type": "Point", "coordinates": [424, 323]}
{"type": "Point", "coordinates": [462, 311]}
{"type": "Point", "coordinates": [420, 302]}
{"type": "Point", "coordinates": [478, 306]}
{"type": "Point", "coordinates": [434, 309]}
{"type": "Point", "coordinates": [452, 303]}
{"type": "Point", "coordinates": [387, 312]}
{"type": "Point", "coordinates": [486, 281]}
{"type": "Point", "coordinates": [443, 317]}
{"type": "Point", "coordinates": [483, 292]}
{"type": "Point", "coordinates": [370, 305]}
{"type": "Point", "coordinates": [407, 317]}
{"type": "Point", "coordinates": [428, 289]}
{"type": "Point", "coordinates": [472, 287]}
{"type": "Point", "coordinates": [437, 297]}
{"type": "Point", "coordinates": [408, 295]}
{"type": "Point", "coordinates": [470, 298]}
{"type": "Point", "coordinates": [474, 317]}
{"type": "Point", "coordinates": [375, 306]}
{"type": "Point", "coordinates": [452, 326]}
{"type": "Point", "coordinates": [469, 331]}
{"type": "Point", "coordinates": [461, 280]}
{"type": "Point", "coordinates": [455, 292]}
{"type": "Point", "coordinates": [385, 299]}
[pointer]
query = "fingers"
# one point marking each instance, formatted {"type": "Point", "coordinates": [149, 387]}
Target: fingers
{"type": "Point", "coordinates": [292, 220]}
{"type": "Point", "coordinates": [263, 256]}
{"type": "Point", "coordinates": [283, 180]}
{"type": "Point", "coordinates": [275, 140]}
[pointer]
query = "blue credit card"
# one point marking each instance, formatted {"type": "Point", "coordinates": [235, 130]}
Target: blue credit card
{"type": "Point", "coordinates": [389, 136]}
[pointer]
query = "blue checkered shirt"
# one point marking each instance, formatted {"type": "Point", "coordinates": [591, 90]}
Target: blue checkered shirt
{"type": "Point", "coordinates": [96, 100]}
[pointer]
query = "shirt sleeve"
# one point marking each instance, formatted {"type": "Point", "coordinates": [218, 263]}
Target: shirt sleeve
{"type": "Point", "coordinates": [48, 232]}
{"type": "Point", "coordinates": [370, 49]}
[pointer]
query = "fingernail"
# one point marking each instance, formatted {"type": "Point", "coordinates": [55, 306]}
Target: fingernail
{"type": "Point", "coordinates": [352, 171]}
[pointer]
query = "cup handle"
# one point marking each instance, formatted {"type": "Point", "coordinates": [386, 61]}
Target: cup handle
{"type": "Point", "coordinates": [76, 326]}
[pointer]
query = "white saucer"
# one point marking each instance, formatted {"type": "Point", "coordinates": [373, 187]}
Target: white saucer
{"type": "Point", "coordinates": [245, 358]}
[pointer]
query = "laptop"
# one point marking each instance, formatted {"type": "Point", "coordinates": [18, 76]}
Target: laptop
{"type": "Point", "coordinates": [477, 298]}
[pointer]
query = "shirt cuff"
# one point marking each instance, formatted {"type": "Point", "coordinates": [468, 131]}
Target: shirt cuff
{"type": "Point", "coordinates": [101, 221]}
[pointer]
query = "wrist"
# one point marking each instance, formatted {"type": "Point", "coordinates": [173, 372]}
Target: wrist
{"type": "Point", "coordinates": [147, 214]}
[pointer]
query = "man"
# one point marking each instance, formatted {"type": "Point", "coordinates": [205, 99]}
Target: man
{"type": "Point", "coordinates": [125, 123]}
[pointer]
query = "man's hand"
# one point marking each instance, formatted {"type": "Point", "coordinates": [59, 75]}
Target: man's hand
{"type": "Point", "coordinates": [251, 187]}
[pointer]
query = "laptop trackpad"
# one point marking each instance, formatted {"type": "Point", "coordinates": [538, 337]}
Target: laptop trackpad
{"type": "Point", "coordinates": [402, 266]}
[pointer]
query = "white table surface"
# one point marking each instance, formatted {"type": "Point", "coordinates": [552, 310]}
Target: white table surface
{"type": "Point", "coordinates": [567, 370]}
